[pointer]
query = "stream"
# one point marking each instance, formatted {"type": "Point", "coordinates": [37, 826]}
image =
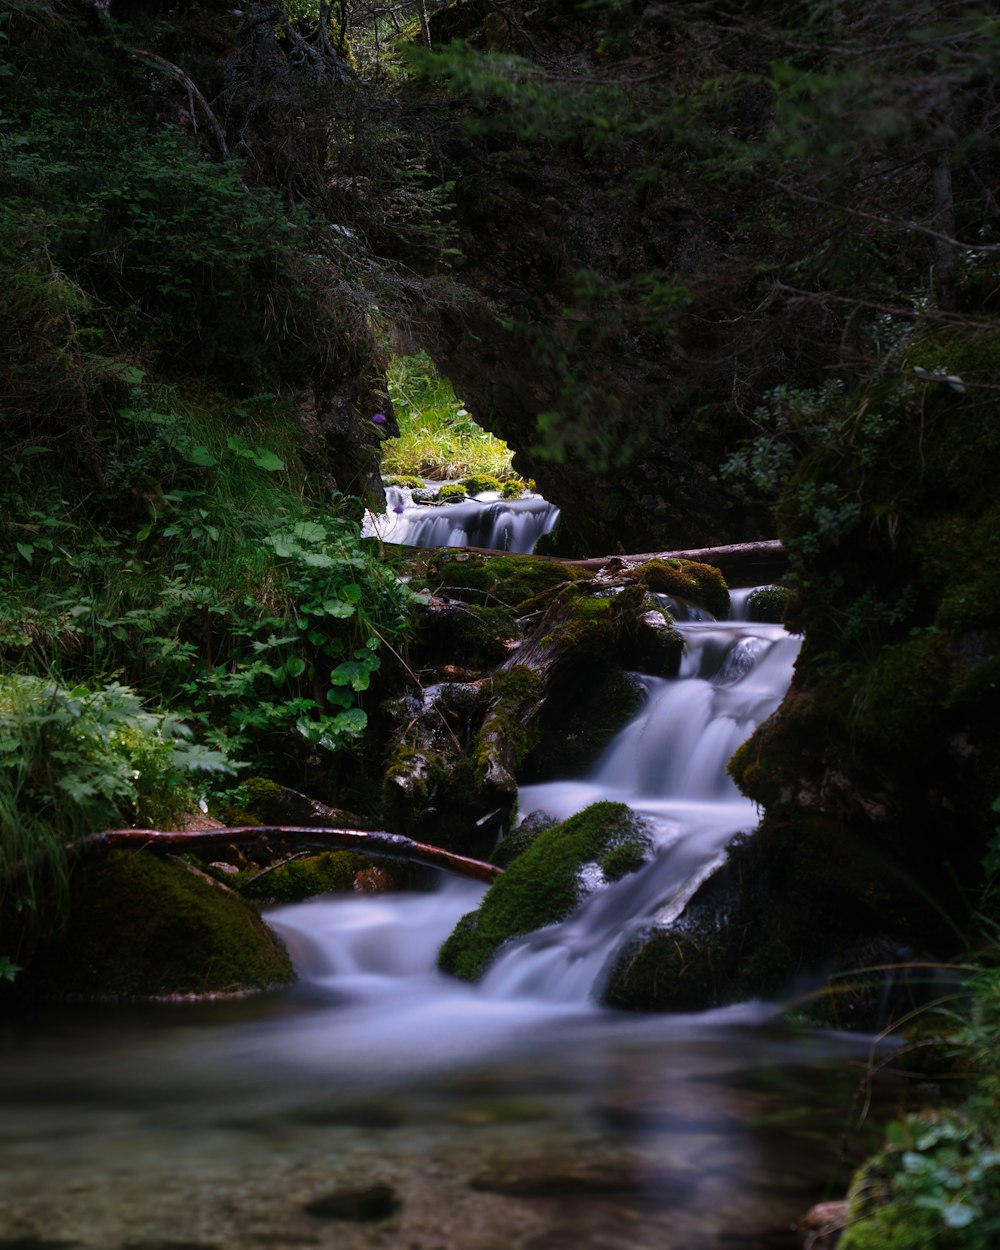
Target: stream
{"type": "Point", "coordinates": [378, 1103]}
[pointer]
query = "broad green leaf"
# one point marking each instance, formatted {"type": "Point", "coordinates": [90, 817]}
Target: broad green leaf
{"type": "Point", "coordinates": [267, 460]}
{"type": "Point", "coordinates": [309, 531]}
{"type": "Point", "coordinates": [200, 455]}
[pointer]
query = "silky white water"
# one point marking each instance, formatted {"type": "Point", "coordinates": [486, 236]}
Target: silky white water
{"type": "Point", "coordinates": [517, 1115]}
{"type": "Point", "coordinates": [484, 521]}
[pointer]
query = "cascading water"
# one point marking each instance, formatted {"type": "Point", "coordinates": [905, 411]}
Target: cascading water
{"type": "Point", "coordinates": [483, 521]}
{"type": "Point", "coordinates": [516, 1113]}
{"type": "Point", "coordinates": [669, 766]}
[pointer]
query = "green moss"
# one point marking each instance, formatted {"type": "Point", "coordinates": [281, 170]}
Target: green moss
{"type": "Point", "coordinates": [510, 580]}
{"type": "Point", "coordinates": [305, 878]}
{"type": "Point", "coordinates": [624, 859]}
{"type": "Point", "coordinates": [479, 484]}
{"type": "Point", "coordinates": [894, 1227]}
{"type": "Point", "coordinates": [768, 604]}
{"type": "Point", "coordinates": [140, 926]}
{"type": "Point", "coordinates": [900, 697]}
{"type": "Point", "coordinates": [513, 489]}
{"type": "Point", "coordinates": [958, 566]}
{"type": "Point", "coordinates": [263, 799]}
{"type": "Point", "coordinates": [512, 693]}
{"type": "Point", "coordinates": [517, 840]}
{"type": "Point", "coordinates": [700, 584]}
{"type": "Point", "coordinates": [405, 479]}
{"type": "Point", "coordinates": [539, 887]}
{"type": "Point", "coordinates": [451, 492]}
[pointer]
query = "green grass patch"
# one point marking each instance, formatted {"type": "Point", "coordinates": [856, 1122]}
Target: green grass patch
{"type": "Point", "coordinates": [439, 438]}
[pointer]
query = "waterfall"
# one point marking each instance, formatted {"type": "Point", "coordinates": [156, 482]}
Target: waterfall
{"type": "Point", "coordinates": [483, 521]}
{"type": "Point", "coordinates": [668, 764]}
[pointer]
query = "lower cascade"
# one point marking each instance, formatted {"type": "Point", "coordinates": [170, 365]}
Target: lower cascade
{"type": "Point", "coordinates": [668, 765]}
{"type": "Point", "coordinates": [486, 520]}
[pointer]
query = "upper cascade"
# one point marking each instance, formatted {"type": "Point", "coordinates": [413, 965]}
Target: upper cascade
{"type": "Point", "coordinates": [485, 520]}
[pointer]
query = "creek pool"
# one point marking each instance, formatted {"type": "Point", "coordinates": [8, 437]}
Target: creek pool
{"type": "Point", "coordinates": [418, 1113]}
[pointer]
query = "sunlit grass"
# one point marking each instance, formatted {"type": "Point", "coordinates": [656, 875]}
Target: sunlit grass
{"type": "Point", "coordinates": [439, 438]}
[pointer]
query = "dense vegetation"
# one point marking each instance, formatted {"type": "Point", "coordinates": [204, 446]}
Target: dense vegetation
{"type": "Point", "coordinates": [709, 268]}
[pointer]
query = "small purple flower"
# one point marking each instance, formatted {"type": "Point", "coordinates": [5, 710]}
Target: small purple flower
{"type": "Point", "coordinates": [397, 508]}
{"type": "Point", "coordinates": [379, 418]}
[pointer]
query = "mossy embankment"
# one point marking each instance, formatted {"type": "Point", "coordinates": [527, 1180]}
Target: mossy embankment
{"type": "Point", "coordinates": [138, 926]}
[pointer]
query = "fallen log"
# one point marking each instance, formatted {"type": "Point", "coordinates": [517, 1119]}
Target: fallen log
{"type": "Point", "coordinates": [286, 837]}
{"type": "Point", "coordinates": [739, 563]}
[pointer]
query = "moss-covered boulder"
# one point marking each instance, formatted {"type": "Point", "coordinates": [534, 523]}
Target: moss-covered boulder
{"type": "Point", "coordinates": [700, 584]}
{"type": "Point", "coordinates": [539, 887]}
{"type": "Point", "coordinates": [479, 484]}
{"type": "Point", "coordinates": [768, 604]}
{"type": "Point", "coordinates": [143, 927]}
{"type": "Point", "coordinates": [450, 492]}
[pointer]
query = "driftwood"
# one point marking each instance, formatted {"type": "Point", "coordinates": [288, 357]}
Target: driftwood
{"type": "Point", "coordinates": [744, 563]}
{"type": "Point", "coordinates": [286, 837]}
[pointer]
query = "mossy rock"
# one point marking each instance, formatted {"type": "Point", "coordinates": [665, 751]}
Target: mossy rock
{"type": "Point", "coordinates": [405, 479]}
{"type": "Point", "coordinates": [792, 905]}
{"type": "Point", "coordinates": [767, 604]}
{"type": "Point", "coordinates": [958, 566]}
{"type": "Point", "coordinates": [479, 484]}
{"type": "Point", "coordinates": [510, 580]}
{"type": "Point", "coordinates": [900, 696]}
{"type": "Point", "coordinates": [700, 584]}
{"type": "Point", "coordinates": [622, 860]}
{"type": "Point", "coordinates": [539, 887]}
{"type": "Point", "coordinates": [143, 927]}
{"type": "Point", "coordinates": [451, 492]}
{"type": "Point", "coordinates": [513, 489]}
{"type": "Point", "coordinates": [651, 643]}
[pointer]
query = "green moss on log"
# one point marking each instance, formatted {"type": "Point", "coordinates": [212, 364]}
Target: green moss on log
{"type": "Point", "coordinates": [143, 927]}
{"type": "Point", "coordinates": [540, 886]}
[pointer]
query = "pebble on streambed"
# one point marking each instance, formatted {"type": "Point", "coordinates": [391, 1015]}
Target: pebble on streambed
{"type": "Point", "coordinates": [375, 1202]}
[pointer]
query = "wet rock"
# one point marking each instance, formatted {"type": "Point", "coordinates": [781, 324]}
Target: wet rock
{"type": "Point", "coordinates": [375, 1202]}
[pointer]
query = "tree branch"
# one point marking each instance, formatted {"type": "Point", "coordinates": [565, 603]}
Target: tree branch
{"type": "Point", "coordinates": [297, 837]}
